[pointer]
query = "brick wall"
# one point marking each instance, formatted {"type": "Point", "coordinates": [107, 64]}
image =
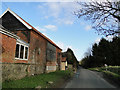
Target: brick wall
{"type": "Point", "coordinates": [23, 34]}
{"type": "Point", "coordinates": [58, 58]}
{"type": "Point", "coordinates": [37, 50]}
{"type": "Point", "coordinates": [8, 48]}
{"type": "Point", "coordinates": [50, 66]}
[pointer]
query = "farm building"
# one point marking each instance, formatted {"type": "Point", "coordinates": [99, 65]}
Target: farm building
{"type": "Point", "coordinates": [63, 63]}
{"type": "Point", "coordinates": [26, 51]}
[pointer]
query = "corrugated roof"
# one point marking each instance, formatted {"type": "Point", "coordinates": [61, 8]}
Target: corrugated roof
{"type": "Point", "coordinates": [30, 26]}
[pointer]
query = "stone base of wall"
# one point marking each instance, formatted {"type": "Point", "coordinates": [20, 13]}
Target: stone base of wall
{"type": "Point", "coordinates": [50, 69]}
{"type": "Point", "coordinates": [18, 71]}
{"type": "Point", "coordinates": [51, 66]}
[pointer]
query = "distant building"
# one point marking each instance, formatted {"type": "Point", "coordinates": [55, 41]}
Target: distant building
{"type": "Point", "coordinates": [64, 63]}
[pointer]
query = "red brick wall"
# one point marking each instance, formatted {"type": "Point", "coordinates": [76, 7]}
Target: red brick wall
{"type": "Point", "coordinates": [8, 50]}
{"type": "Point", "coordinates": [58, 57]}
{"type": "Point", "coordinates": [23, 34]}
{"type": "Point", "coordinates": [20, 61]}
{"type": "Point", "coordinates": [51, 64]}
{"type": "Point", "coordinates": [37, 51]}
{"type": "Point", "coordinates": [37, 44]}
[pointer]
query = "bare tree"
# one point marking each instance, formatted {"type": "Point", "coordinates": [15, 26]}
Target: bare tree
{"type": "Point", "coordinates": [105, 16]}
{"type": "Point", "coordinates": [88, 52]}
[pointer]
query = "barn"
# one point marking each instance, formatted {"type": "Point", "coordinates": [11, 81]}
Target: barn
{"type": "Point", "coordinates": [25, 50]}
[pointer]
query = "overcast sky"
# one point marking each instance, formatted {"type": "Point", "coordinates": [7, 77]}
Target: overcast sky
{"type": "Point", "coordinates": [57, 21]}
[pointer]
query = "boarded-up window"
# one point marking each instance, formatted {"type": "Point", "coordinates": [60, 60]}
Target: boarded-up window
{"type": "Point", "coordinates": [51, 52]}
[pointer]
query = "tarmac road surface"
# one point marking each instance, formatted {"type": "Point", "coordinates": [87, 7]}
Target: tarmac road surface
{"type": "Point", "coordinates": [87, 79]}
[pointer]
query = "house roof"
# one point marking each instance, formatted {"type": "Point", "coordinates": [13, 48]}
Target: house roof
{"type": "Point", "coordinates": [29, 26]}
{"type": "Point", "coordinates": [10, 34]}
{"type": "Point", "coordinates": [6, 32]}
{"type": "Point", "coordinates": [1, 26]}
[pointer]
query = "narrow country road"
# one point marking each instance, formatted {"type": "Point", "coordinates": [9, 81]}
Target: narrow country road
{"type": "Point", "coordinates": [87, 79]}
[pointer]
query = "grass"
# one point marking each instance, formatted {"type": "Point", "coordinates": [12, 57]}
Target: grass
{"type": "Point", "coordinates": [111, 72]}
{"type": "Point", "coordinates": [38, 80]}
{"type": "Point", "coordinates": [108, 69]}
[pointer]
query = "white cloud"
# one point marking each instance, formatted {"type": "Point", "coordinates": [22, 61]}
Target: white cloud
{"type": "Point", "coordinates": [51, 27]}
{"type": "Point", "coordinates": [46, 17]}
{"type": "Point", "coordinates": [43, 31]}
{"type": "Point", "coordinates": [40, 7]}
{"type": "Point", "coordinates": [52, 0]}
{"type": "Point", "coordinates": [95, 0]}
{"type": "Point", "coordinates": [62, 12]}
{"type": "Point", "coordinates": [65, 21]}
{"type": "Point", "coordinates": [53, 9]}
{"type": "Point", "coordinates": [68, 22]}
{"type": "Point", "coordinates": [40, 29]}
{"type": "Point", "coordinates": [46, 28]}
{"type": "Point", "coordinates": [61, 45]}
{"type": "Point", "coordinates": [88, 27]}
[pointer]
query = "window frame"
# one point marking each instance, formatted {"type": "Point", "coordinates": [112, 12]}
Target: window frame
{"type": "Point", "coordinates": [21, 44]}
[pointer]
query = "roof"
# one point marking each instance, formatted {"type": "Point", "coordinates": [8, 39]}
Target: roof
{"type": "Point", "coordinates": [29, 26]}
{"type": "Point", "coordinates": [6, 32]}
{"type": "Point", "coordinates": [10, 34]}
{"type": "Point", "coordinates": [1, 26]}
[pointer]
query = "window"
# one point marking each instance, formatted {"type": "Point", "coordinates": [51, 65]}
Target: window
{"type": "Point", "coordinates": [17, 51]}
{"type": "Point", "coordinates": [26, 52]}
{"type": "Point", "coordinates": [21, 52]}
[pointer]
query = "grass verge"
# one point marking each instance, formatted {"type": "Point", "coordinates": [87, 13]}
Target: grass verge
{"type": "Point", "coordinates": [39, 80]}
{"type": "Point", "coordinates": [109, 73]}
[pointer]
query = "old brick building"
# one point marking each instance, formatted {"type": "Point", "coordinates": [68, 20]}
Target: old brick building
{"type": "Point", "coordinates": [63, 63]}
{"type": "Point", "coordinates": [8, 44]}
{"type": "Point", "coordinates": [30, 47]}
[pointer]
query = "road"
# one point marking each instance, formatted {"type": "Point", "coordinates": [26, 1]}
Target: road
{"type": "Point", "coordinates": [87, 79]}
